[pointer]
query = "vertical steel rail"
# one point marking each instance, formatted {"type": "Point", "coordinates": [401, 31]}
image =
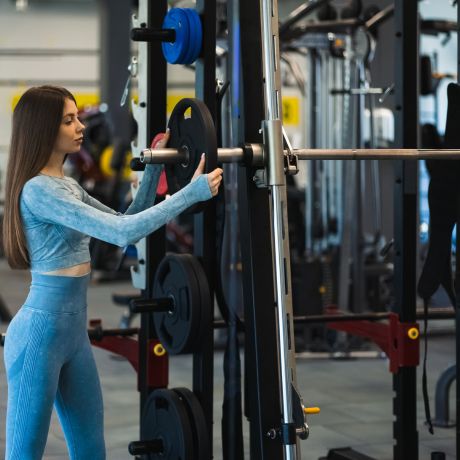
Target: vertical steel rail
{"type": "Point", "coordinates": [405, 218]}
{"type": "Point", "coordinates": [273, 139]}
{"type": "Point", "coordinates": [152, 100]}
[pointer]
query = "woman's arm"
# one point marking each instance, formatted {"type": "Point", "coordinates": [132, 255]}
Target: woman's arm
{"type": "Point", "coordinates": [54, 203]}
{"type": "Point", "coordinates": [145, 196]}
{"type": "Point", "coordinates": [146, 193]}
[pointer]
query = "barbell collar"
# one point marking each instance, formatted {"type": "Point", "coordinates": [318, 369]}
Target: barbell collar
{"type": "Point", "coordinates": [144, 34]}
{"type": "Point", "coordinates": [164, 156]}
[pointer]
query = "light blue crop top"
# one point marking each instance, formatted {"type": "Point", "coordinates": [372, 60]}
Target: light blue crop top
{"type": "Point", "coordinates": [59, 217]}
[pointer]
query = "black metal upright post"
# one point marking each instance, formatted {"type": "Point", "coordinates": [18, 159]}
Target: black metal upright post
{"type": "Point", "coordinates": [115, 53]}
{"type": "Point", "coordinates": [261, 354]}
{"type": "Point", "coordinates": [457, 330]}
{"type": "Point", "coordinates": [405, 222]}
{"type": "Point", "coordinates": [156, 120]}
{"type": "Point", "coordinates": [457, 284]}
{"type": "Point", "coordinates": [204, 232]}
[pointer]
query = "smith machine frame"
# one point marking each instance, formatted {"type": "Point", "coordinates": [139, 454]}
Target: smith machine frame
{"type": "Point", "coordinates": [271, 396]}
{"type": "Point", "coordinates": [150, 115]}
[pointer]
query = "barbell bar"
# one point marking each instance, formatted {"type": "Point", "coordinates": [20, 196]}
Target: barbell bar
{"type": "Point", "coordinates": [257, 157]}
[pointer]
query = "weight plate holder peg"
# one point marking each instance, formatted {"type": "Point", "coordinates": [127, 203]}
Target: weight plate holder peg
{"type": "Point", "coordinates": [201, 448]}
{"type": "Point", "coordinates": [166, 429]}
{"type": "Point", "coordinates": [179, 328]}
{"type": "Point", "coordinates": [192, 131]}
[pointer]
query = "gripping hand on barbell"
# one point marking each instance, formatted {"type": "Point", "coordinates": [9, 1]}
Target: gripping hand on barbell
{"type": "Point", "coordinates": [214, 177]}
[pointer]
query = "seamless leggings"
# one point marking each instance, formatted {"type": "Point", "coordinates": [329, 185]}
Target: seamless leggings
{"type": "Point", "coordinates": [48, 360]}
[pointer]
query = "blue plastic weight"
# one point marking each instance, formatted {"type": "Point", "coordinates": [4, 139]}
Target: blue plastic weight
{"type": "Point", "coordinates": [188, 56]}
{"type": "Point", "coordinates": [175, 52]}
{"type": "Point", "coordinates": [196, 35]}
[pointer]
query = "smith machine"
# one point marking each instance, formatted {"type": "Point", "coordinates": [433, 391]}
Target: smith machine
{"type": "Point", "coordinates": [178, 291]}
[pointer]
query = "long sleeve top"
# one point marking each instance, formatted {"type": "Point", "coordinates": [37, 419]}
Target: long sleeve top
{"type": "Point", "coordinates": [59, 217]}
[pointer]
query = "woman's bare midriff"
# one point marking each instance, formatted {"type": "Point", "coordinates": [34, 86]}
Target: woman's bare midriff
{"type": "Point", "coordinates": [76, 270]}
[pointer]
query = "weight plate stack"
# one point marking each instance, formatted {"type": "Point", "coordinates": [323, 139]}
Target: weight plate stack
{"type": "Point", "coordinates": [205, 296]}
{"type": "Point", "coordinates": [195, 412]}
{"type": "Point", "coordinates": [165, 418]}
{"type": "Point", "coordinates": [196, 36]}
{"type": "Point", "coordinates": [179, 277]}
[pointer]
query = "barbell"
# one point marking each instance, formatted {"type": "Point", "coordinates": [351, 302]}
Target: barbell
{"type": "Point", "coordinates": [193, 133]}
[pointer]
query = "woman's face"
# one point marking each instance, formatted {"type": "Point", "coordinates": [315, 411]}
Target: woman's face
{"type": "Point", "coordinates": [70, 136]}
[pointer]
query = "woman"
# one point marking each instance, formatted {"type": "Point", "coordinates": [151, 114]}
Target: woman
{"type": "Point", "coordinates": [48, 221]}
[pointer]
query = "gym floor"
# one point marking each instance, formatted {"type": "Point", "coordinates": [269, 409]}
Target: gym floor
{"type": "Point", "coordinates": [355, 396]}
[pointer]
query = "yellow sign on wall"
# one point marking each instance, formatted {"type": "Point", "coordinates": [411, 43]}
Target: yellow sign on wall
{"type": "Point", "coordinates": [291, 110]}
{"type": "Point", "coordinates": [83, 99]}
{"type": "Point", "coordinates": [291, 104]}
{"type": "Point", "coordinates": [173, 99]}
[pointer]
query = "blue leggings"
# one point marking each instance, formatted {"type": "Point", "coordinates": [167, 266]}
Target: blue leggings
{"type": "Point", "coordinates": [48, 360]}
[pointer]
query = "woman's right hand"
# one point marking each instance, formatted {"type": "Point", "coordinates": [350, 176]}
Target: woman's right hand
{"type": "Point", "coordinates": [214, 177]}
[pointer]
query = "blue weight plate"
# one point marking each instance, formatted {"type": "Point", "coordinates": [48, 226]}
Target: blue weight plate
{"type": "Point", "coordinates": [175, 52]}
{"type": "Point", "coordinates": [190, 47]}
{"type": "Point", "coordinates": [196, 36]}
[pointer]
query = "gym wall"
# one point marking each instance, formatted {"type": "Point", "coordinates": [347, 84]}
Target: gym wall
{"type": "Point", "coordinates": [50, 42]}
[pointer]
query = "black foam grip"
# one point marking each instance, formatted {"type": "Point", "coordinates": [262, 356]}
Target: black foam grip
{"type": "Point", "coordinates": [443, 198]}
{"type": "Point", "coordinates": [449, 170]}
{"type": "Point", "coordinates": [452, 135]}
{"type": "Point", "coordinates": [426, 76]}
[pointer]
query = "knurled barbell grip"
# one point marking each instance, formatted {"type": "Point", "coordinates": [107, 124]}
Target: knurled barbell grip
{"type": "Point", "coordinates": [154, 446]}
{"type": "Point", "coordinates": [144, 34]}
{"type": "Point", "coordinates": [151, 305]}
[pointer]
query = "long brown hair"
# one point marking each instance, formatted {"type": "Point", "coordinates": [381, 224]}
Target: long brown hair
{"type": "Point", "coordinates": [36, 121]}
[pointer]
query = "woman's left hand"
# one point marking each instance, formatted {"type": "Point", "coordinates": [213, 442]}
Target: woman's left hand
{"type": "Point", "coordinates": [162, 143]}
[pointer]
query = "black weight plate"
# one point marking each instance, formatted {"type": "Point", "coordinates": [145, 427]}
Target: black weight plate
{"type": "Point", "coordinates": [177, 329]}
{"type": "Point", "coordinates": [194, 132]}
{"type": "Point", "coordinates": [206, 305]}
{"type": "Point", "coordinates": [165, 417]}
{"type": "Point", "coordinates": [195, 340]}
{"type": "Point", "coordinates": [200, 435]}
